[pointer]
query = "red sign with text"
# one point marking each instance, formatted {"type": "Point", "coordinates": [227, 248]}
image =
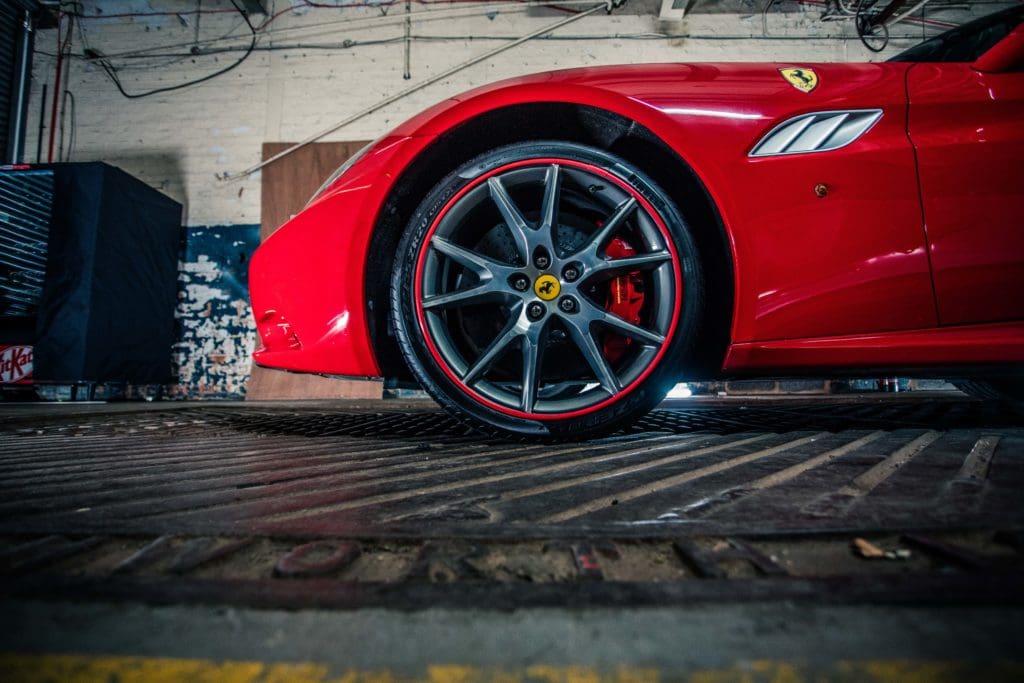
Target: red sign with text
{"type": "Point", "coordinates": [15, 364]}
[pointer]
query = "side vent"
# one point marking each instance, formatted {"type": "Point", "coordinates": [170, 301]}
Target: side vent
{"type": "Point", "coordinates": [819, 132]}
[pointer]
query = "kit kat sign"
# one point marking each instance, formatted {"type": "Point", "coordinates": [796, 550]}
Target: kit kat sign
{"type": "Point", "coordinates": [15, 364]}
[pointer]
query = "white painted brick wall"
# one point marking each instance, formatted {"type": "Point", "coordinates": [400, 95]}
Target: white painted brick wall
{"type": "Point", "coordinates": [181, 141]}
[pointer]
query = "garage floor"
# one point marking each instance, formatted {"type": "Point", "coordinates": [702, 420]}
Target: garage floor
{"type": "Point", "coordinates": [719, 538]}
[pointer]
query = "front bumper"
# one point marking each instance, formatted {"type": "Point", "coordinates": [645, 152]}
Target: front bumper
{"type": "Point", "coordinates": [306, 280]}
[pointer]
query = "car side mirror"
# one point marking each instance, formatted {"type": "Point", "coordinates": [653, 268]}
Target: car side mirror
{"type": "Point", "coordinates": [1006, 55]}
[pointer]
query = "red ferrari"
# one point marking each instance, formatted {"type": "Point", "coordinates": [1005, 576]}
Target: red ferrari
{"type": "Point", "coordinates": [549, 255]}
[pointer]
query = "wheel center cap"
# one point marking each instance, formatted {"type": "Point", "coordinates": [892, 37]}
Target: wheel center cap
{"type": "Point", "coordinates": [547, 287]}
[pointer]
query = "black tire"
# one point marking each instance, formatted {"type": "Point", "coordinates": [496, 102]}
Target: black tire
{"type": "Point", "coordinates": [993, 389]}
{"type": "Point", "coordinates": [503, 275]}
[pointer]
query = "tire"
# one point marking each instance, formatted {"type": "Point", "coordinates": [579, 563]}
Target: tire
{"type": "Point", "coordinates": [993, 389]}
{"type": "Point", "coordinates": [502, 293]}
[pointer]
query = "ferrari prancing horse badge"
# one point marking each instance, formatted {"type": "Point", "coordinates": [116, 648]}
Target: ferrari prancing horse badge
{"type": "Point", "coordinates": [804, 80]}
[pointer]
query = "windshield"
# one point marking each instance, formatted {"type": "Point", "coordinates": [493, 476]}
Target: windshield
{"type": "Point", "coordinates": [965, 43]}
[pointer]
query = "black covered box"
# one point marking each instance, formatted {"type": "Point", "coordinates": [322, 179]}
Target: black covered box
{"type": "Point", "coordinates": [105, 308]}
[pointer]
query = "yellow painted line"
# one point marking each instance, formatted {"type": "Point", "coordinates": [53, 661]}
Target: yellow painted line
{"type": "Point", "coordinates": [19, 668]}
{"type": "Point", "coordinates": [88, 669]}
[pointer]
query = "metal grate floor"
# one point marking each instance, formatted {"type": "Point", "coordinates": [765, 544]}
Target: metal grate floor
{"type": "Point", "coordinates": [716, 466]}
{"type": "Point", "coordinates": [330, 505]}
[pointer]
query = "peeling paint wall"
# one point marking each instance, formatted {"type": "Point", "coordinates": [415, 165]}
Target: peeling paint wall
{"type": "Point", "coordinates": [216, 329]}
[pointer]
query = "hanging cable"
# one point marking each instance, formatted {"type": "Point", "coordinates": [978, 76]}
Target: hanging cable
{"type": "Point", "coordinates": [112, 72]}
{"type": "Point", "coordinates": [871, 27]}
{"type": "Point", "coordinates": [448, 11]}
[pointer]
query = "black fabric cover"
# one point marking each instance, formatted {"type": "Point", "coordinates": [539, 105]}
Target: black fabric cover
{"type": "Point", "coordinates": [107, 310]}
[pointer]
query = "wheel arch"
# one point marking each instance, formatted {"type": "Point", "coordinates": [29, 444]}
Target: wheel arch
{"type": "Point", "coordinates": [569, 122]}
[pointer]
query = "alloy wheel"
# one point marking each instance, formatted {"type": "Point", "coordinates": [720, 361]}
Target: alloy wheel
{"type": "Point", "coordinates": [520, 283]}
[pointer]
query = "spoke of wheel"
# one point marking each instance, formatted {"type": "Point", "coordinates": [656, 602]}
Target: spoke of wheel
{"type": "Point", "coordinates": [627, 328]}
{"type": "Point", "coordinates": [620, 214]}
{"type": "Point", "coordinates": [629, 264]}
{"type": "Point", "coordinates": [484, 267]}
{"type": "Point", "coordinates": [495, 349]}
{"type": "Point", "coordinates": [517, 225]}
{"type": "Point", "coordinates": [463, 297]}
{"type": "Point", "coordinates": [579, 330]}
{"type": "Point", "coordinates": [533, 358]}
{"type": "Point", "coordinates": [552, 189]}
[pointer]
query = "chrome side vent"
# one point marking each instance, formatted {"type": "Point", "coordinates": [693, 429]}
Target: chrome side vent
{"type": "Point", "coordinates": [822, 131]}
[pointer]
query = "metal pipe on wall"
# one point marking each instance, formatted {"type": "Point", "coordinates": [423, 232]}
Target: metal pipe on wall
{"type": "Point", "coordinates": [15, 147]}
{"type": "Point", "coordinates": [56, 90]}
{"type": "Point", "coordinates": [42, 125]}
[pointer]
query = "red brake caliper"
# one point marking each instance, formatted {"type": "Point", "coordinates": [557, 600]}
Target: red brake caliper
{"type": "Point", "coordinates": [625, 299]}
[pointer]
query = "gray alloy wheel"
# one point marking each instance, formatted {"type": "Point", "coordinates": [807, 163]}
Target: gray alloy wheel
{"type": "Point", "coordinates": [546, 289]}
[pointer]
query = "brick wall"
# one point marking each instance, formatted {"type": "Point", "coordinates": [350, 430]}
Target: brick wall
{"type": "Point", "coordinates": [181, 142]}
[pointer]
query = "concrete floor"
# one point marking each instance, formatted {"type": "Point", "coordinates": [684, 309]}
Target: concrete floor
{"type": "Point", "coordinates": [770, 641]}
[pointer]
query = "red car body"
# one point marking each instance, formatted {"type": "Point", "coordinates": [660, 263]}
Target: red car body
{"type": "Point", "coordinates": [903, 249]}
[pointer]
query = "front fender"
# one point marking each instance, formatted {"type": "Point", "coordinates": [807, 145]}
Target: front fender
{"type": "Point", "coordinates": [306, 279]}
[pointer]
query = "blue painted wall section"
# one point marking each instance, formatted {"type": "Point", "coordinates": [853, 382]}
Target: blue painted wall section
{"type": "Point", "coordinates": [216, 330]}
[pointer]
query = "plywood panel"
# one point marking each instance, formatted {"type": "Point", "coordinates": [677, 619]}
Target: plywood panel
{"type": "Point", "coordinates": [287, 184]}
{"type": "Point", "coordinates": [269, 384]}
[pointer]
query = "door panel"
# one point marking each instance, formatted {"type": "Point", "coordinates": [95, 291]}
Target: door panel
{"type": "Point", "coordinates": [968, 129]}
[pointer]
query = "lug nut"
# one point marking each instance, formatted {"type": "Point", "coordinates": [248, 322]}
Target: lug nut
{"type": "Point", "coordinates": [541, 258]}
{"type": "Point", "coordinates": [570, 273]}
{"type": "Point", "coordinates": [567, 304]}
{"type": "Point", "coordinates": [535, 311]}
{"type": "Point", "coordinates": [520, 283]}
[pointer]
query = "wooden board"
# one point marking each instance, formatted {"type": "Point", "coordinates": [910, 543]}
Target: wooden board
{"type": "Point", "coordinates": [287, 184]}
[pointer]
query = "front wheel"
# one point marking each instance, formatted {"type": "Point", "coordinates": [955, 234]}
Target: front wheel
{"type": "Point", "coordinates": [547, 289]}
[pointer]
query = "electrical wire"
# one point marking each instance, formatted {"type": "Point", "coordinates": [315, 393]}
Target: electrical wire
{"type": "Point", "coordinates": [111, 71]}
{"type": "Point", "coordinates": [851, 12]}
{"type": "Point", "coordinates": [451, 10]}
{"type": "Point", "coordinates": [350, 44]}
{"type": "Point", "coordinates": [159, 57]}
{"type": "Point", "coordinates": [447, 73]}
{"type": "Point", "coordinates": [79, 14]}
